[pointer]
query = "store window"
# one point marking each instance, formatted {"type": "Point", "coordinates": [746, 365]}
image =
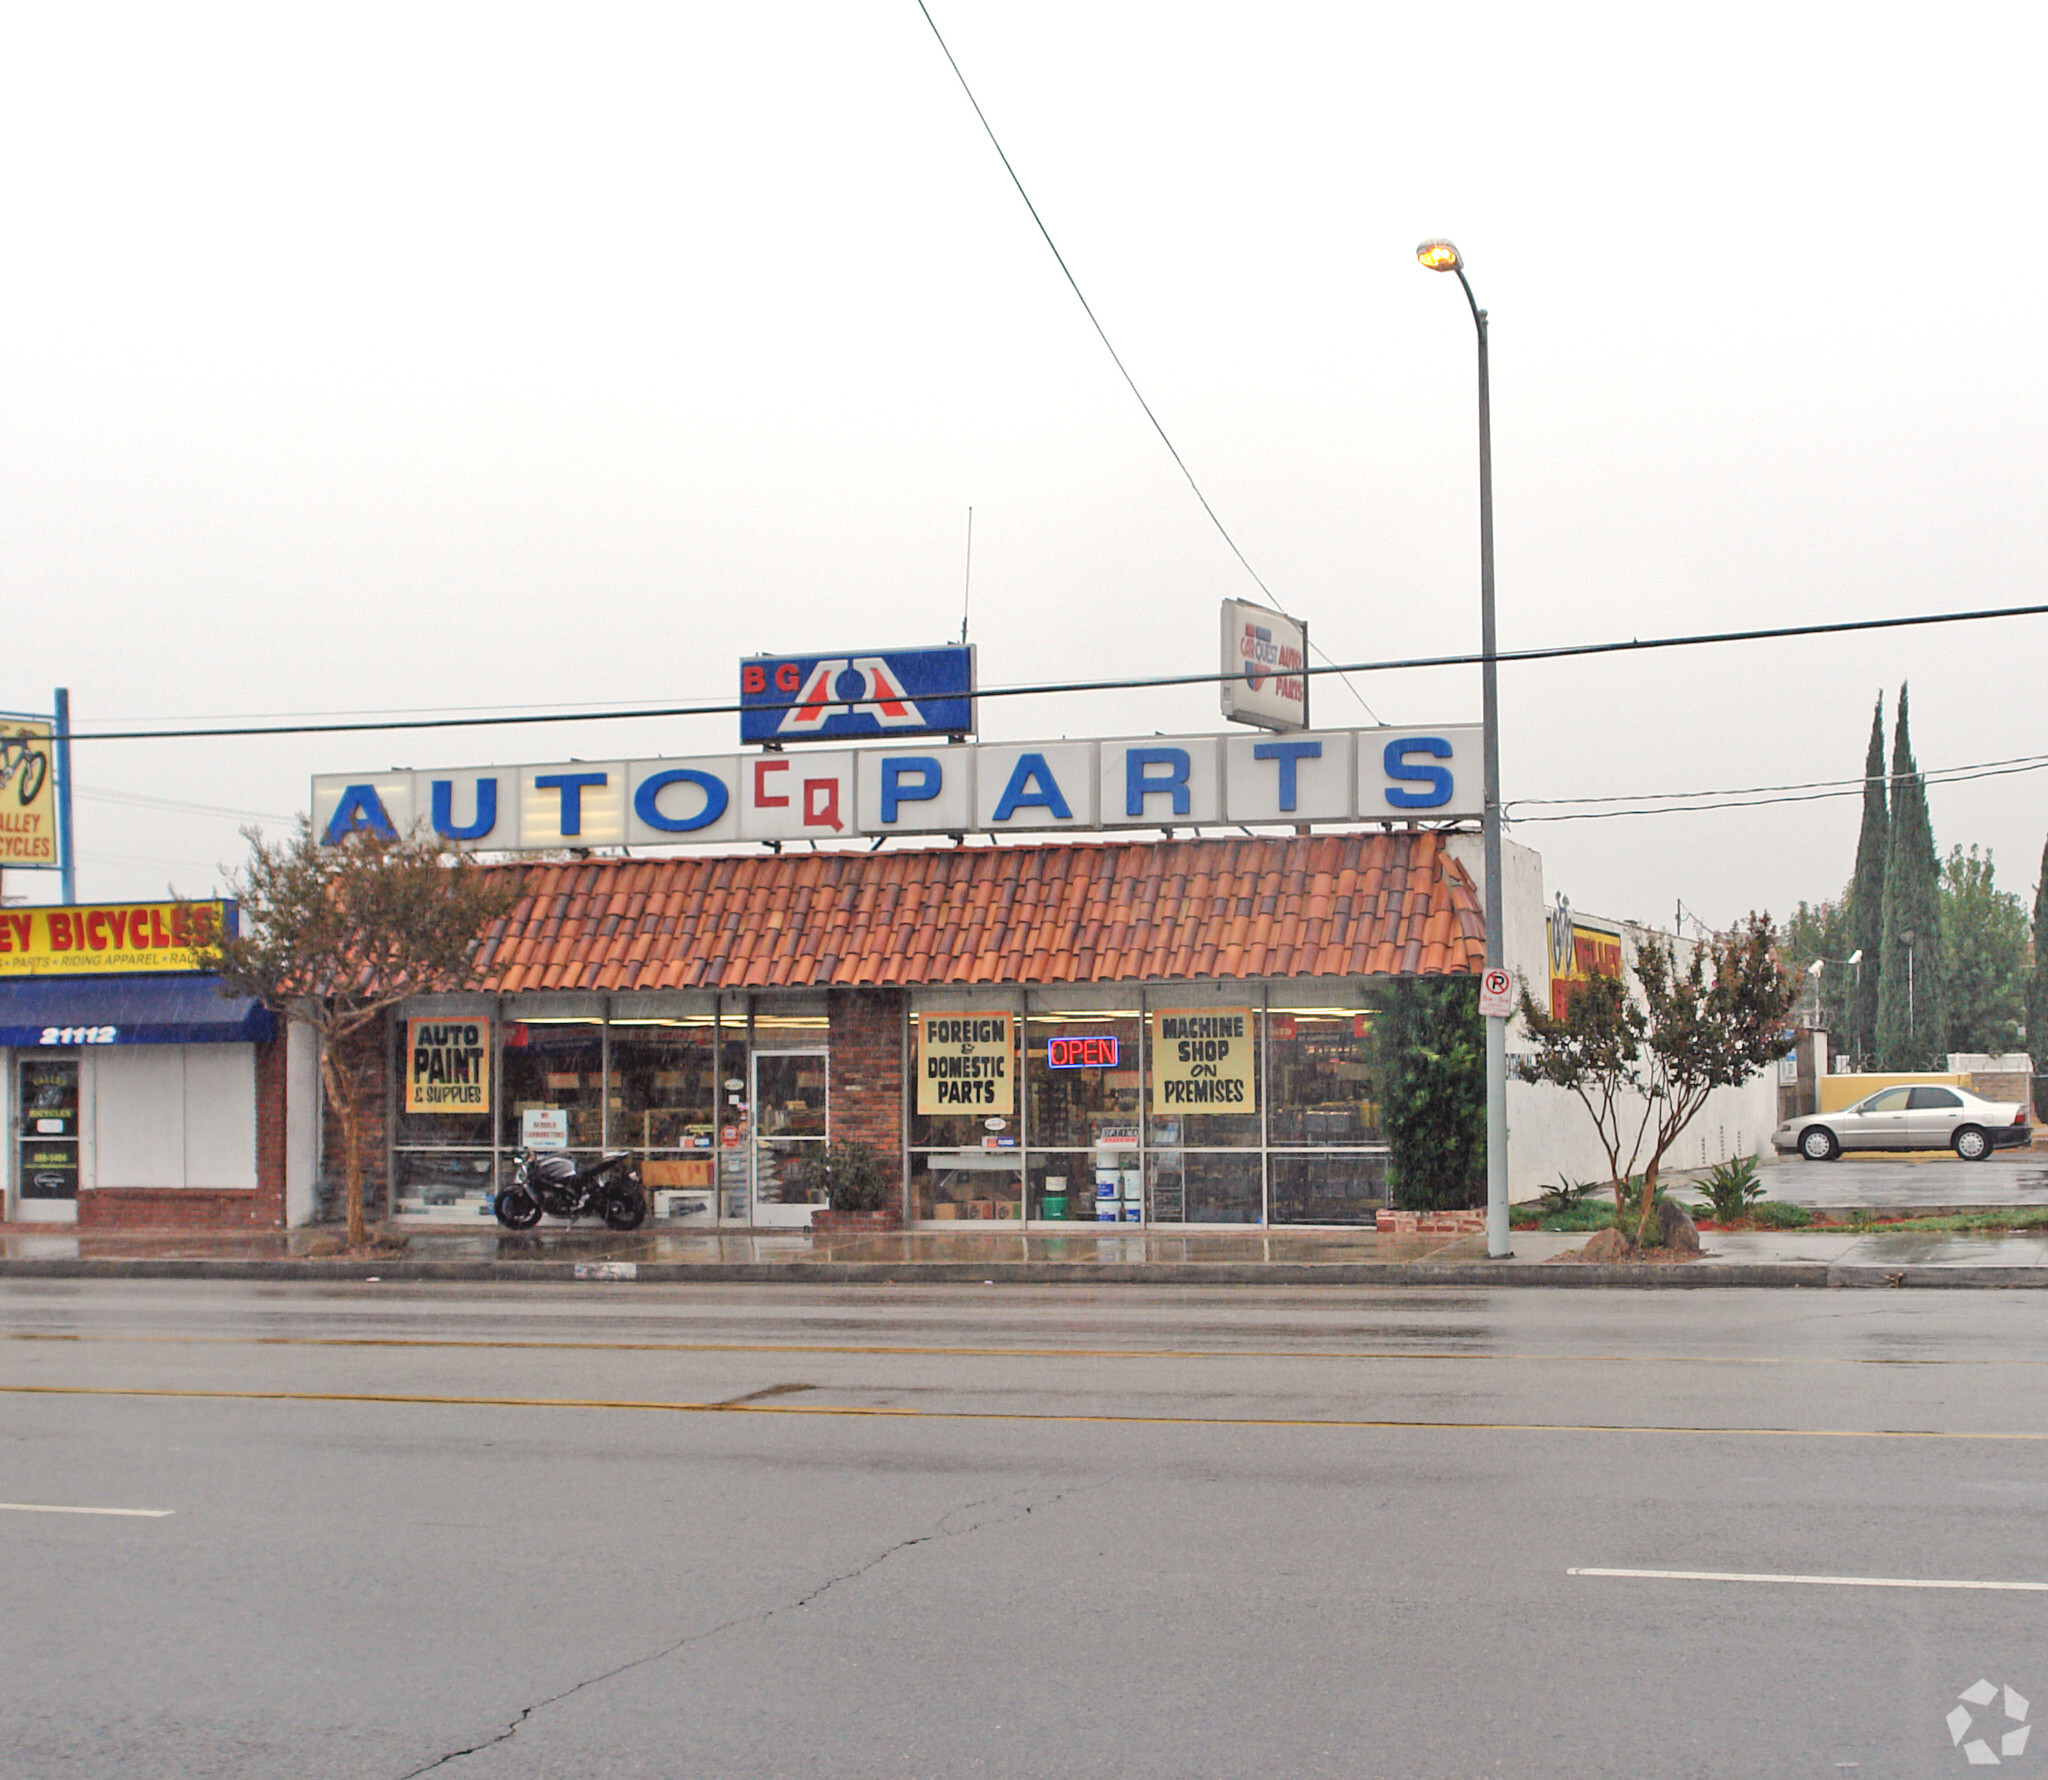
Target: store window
{"type": "Point", "coordinates": [1204, 1077]}
{"type": "Point", "coordinates": [553, 1085]}
{"type": "Point", "coordinates": [965, 1115]}
{"type": "Point", "coordinates": [1321, 1077]}
{"type": "Point", "coordinates": [48, 1121]}
{"type": "Point", "coordinates": [665, 1099]}
{"type": "Point", "coordinates": [1083, 1081]}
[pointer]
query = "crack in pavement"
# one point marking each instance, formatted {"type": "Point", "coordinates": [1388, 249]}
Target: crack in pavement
{"type": "Point", "coordinates": [1009, 1508]}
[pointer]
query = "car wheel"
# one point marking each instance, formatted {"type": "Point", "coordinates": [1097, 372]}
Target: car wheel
{"type": "Point", "coordinates": [1817, 1144]}
{"type": "Point", "coordinates": [1971, 1144]}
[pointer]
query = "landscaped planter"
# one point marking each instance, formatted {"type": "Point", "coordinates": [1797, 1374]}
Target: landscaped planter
{"type": "Point", "coordinates": [855, 1223]}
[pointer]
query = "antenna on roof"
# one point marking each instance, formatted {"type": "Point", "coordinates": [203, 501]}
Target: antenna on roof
{"type": "Point", "coordinates": [967, 588]}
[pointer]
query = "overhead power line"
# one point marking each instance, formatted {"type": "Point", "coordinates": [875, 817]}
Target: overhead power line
{"type": "Point", "coordinates": [1050, 688]}
{"type": "Point", "coordinates": [1116, 358]}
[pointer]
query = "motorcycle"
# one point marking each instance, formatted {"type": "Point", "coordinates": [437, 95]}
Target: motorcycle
{"type": "Point", "coordinates": [553, 1185]}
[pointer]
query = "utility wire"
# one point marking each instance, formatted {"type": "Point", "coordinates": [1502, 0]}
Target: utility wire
{"type": "Point", "coordinates": [1946, 776]}
{"type": "Point", "coordinates": [2020, 762]}
{"type": "Point", "coordinates": [1116, 358]}
{"type": "Point", "coordinates": [1138, 683]}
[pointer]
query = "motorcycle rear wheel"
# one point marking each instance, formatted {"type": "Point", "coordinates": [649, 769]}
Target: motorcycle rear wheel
{"type": "Point", "coordinates": [626, 1210]}
{"type": "Point", "coordinates": [517, 1209]}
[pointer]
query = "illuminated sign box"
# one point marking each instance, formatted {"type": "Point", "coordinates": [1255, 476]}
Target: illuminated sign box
{"type": "Point", "coordinates": [1096, 1051]}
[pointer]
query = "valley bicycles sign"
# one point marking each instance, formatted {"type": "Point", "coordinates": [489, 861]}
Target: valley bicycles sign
{"type": "Point", "coordinates": [109, 939]}
{"type": "Point", "coordinates": [1422, 774]}
{"type": "Point", "coordinates": [28, 795]}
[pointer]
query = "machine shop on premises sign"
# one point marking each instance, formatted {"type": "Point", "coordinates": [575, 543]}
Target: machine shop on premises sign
{"type": "Point", "coordinates": [1421, 773]}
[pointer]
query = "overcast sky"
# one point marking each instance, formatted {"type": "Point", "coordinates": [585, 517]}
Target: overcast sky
{"type": "Point", "coordinates": [368, 358]}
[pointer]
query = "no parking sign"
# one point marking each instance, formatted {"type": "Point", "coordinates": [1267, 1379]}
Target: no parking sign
{"type": "Point", "coordinates": [1496, 994]}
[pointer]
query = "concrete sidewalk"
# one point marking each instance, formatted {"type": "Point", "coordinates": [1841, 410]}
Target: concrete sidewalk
{"type": "Point", "coordinates": [1137, 1257]}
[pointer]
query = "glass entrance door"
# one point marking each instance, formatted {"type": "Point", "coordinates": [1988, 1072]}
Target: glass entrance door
{"type": "Point", "coordinates": [46, 1181]}
{"type": "Point", "coordinates": [790, 1126]}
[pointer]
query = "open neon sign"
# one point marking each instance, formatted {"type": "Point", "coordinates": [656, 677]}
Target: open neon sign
{"type": "Point", "coordinates": [1093, 1052]}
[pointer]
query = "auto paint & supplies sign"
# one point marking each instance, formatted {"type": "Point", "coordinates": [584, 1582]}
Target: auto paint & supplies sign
{"type": "Point", "coordinates": [1202, 1061]}
{"type": "Point", "coordinates": [109, 939]}
{"type": "Point", "coordinates": [964, 1064]}
{"type": "Point", "coordinates": [448, 1066]}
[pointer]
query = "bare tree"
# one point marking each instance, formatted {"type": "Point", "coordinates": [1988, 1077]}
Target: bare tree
{"type": "Point", "coordinates": [333, 936]}
{"type": "Point", "coordinates": [1644, 1063]}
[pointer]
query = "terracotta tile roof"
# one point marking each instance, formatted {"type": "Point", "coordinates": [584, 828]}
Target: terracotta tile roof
{"type": "Point", "coordinates": [1295, 906]}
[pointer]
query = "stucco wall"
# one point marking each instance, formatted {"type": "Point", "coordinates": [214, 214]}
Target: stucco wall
{"type": "Point", "coordinates": [1550, 1132]}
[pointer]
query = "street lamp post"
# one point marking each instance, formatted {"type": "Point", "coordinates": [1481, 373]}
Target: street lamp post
{"type": "Point", "coordinates": [1442, 256]}
{"type": "Point", "coordinates": [1907, 935]}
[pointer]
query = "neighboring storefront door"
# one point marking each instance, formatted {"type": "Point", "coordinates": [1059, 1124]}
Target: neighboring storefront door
{"type": "Point", "coordinates": [790, 1126]}
{"type": "Point", "coordinates": [46, 1183]}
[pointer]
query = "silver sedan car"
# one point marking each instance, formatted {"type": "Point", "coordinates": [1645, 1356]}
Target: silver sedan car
{"type": "Point", "coordinates": [1919, 1116]}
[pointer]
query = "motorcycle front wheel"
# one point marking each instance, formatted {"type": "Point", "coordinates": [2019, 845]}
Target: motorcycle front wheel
{"type": "Point", "coordinates": [626, 1210]}
{"type": "Point", "coordinates": [517, 1209]}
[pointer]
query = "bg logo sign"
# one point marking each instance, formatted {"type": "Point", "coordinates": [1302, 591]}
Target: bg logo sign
{"type": "Point", "coordinates": [898, 692]}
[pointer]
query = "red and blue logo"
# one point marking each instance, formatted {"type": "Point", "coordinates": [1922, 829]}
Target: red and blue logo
{"type": "Point", "coordinates": [894, 692]}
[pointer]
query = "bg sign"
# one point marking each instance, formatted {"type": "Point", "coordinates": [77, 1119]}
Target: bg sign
{"type": "Point", "coordinates": [836, 698]}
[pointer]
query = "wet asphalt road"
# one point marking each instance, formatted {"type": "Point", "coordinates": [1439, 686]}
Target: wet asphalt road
{"type": "Point", "coordinates": [1011, 1531]}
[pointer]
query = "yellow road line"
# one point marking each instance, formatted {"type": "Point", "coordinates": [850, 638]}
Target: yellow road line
{"type": "Point", "coordinates": [893, 1412]}
{"type": "Point", "coordinates": [999, 1353]}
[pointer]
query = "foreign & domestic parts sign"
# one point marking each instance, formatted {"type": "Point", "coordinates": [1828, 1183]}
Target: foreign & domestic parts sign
{"type": "Point", "coordinates": [1202, 1060]}
{"type": "Point", "coordinates": [964, 1064]}
{"type": "Point", "coordinates": [109, 939]}
{"type": "Point", "coordinates": [1423, 774]}
{"type": "Point", "coordinates": [448, 1066]}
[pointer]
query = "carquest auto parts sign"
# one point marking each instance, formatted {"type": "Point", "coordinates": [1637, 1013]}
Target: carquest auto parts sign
{"type": "Point", "coordinates": [1424, 773]}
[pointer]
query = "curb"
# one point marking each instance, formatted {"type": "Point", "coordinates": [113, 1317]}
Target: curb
{"type": "Point", "coordinates": [1461, 1275]}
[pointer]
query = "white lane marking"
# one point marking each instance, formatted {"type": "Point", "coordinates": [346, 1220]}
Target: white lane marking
{"type": "Point", "coordinates": [1811, 1581]}
{"type": "Point", "coordinates": [53, 1508]}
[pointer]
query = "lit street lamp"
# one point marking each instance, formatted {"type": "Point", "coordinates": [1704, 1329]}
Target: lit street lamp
{"type": "Point", "coordinates": [1443, 256]}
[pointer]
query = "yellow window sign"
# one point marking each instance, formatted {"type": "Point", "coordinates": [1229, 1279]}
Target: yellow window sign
{"type": "Point", "coordinates": [1203, 1060]}
{"type": "Point", "coordinates": [963, 1064]}
{"type": "Point", "coordinates": [28, 793]}
{"type": "Point", "coordinates": [448, 1066]}
{"type": "Point", "coordinates": [106, 939]}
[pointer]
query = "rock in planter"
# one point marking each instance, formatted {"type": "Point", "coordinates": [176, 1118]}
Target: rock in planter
{"type": "Point", "coordinates": [1675, 1228]}
{"type": "Point", "coordinates": [1608, 1245]}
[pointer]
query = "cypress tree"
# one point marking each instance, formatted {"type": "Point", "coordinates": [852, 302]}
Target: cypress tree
{"type": "Point", "coordinates": [1912, 1004]}
{"type": "Point", "coordinates": [2037, 991]}
{"type": "Point", "coordinates": [1866, 896]}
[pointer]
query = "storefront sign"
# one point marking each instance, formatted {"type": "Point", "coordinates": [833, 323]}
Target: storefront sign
{"type": "Point", "coordinates": [963, 1064]}
{"type": "Point", "coordinates": [107, 939]}
{"type": "Point", "coordinates": [28, 794]}
{"type": "Point", "coordinates": [1427, 773]}
{"type": "Point", "coordinates": [1092, 1051]}
{"type": "Point", "coordinates": [544, 1128]}
{"type": "Point", "coordinates": [1202, 1060]}
{"type": "Point", "coordinates": [1578, 950]}
{"type": "Point", "coordinates": [1264, 655]}
{"type": "Point", "coordinates": [825, 698]}
{"type": "Point", "coordinates": [448, 1066]}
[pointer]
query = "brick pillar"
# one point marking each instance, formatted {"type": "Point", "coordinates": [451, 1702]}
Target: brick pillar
{"type": "Point", "coordinates": [866, 1040]}
{"type": "Point", "coordinates": [268, 1210]}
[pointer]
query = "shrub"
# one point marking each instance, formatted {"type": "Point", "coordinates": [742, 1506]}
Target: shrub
{"type": "Point", "coordinates": [850, 1175]}
{"type": "Point", "coordinates": [1775, 1214]}
{"type": "Point", "coordinates": [1732, 1189]}
{"type": "Point", "coordinates": [1567, 1194]}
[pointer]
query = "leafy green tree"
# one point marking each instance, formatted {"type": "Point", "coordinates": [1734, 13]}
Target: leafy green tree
{"type": "Point", "coordinates": [1984, 938]}
{"type": "Point", "coordinates": [1432, 1070]}
{"type": "Point", "coordinates": [1865, 927]}
{"type": "Point", "coordinates": [334, 936]}
{"type": "Point", "coordinates": [1912, 1000]}
{"type": "Point", "coordinates": [1643, 1063]}
{"type": "Point", "coordinates": [2037, 991]}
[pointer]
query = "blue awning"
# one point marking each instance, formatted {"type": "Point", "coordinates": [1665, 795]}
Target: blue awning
{"type": "Point", "coordinates": [140, 1010]}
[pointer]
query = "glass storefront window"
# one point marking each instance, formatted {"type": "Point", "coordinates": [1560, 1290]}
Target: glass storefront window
{"type": "Point", "coordinates": [554, 1065]}
{"type": "Point", "coordinates": [441, 1183]}
{"type": "Point", "coordinates": [1205, 1187]}
{"type": "Point", "coordinates": [1328, 1189]}
{"type": "Point", "coordinates": [967, 1186]}
{"type": "Point", "coordinates": [664, 1085]}
{"type": "Point", "coordinates": [1081, 1080]}
{"type": "Point", "coordinates": [1203, 1066]}
{"type": "Point", "coordinates": [1320, 1074]}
